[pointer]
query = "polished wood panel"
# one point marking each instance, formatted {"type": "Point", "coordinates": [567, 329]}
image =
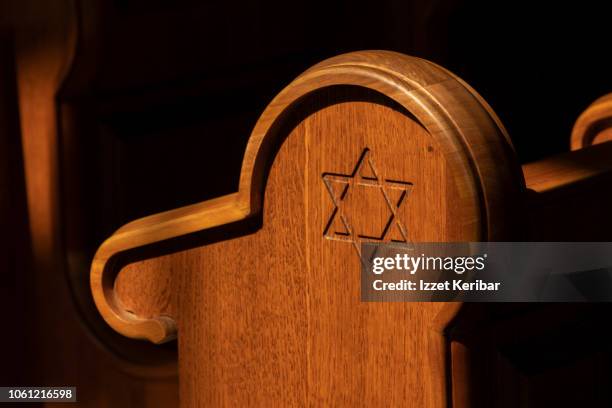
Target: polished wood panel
{"type": "Point", "coordinates": [262, 285]}
{"type": "Point", "coordinates": [278, 298]}
{"type": "Point", "coordinates": [306, 324]}
{"type": "Point", "coordinates": [420, 87]}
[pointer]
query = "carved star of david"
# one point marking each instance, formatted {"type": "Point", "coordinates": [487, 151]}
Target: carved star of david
{"type": "Point", "coordinates": [366, 206]}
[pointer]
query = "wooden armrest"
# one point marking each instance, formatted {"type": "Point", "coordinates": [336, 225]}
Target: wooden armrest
{"type": "Point", "coordinates": [145, 231]}
{"type": "Point", "coordinates": [570, 196]}
{"type": "Point", "coordinates": [569, 169]}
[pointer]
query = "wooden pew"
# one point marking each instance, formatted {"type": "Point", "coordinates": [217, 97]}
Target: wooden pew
{"type": "Point", "coordinates": [261, 287]}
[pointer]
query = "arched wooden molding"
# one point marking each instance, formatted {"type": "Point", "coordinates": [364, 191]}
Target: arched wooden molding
{"type": "Point", "coordinates": [594, 125]}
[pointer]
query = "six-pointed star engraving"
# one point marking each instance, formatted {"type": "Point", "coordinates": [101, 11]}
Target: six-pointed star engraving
{"type": "Point", "coordinates": [365, 205]}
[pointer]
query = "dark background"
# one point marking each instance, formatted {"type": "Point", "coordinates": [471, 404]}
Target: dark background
{"type": "Point", "coordinates": [156, 107]}
{"type": "Point", "coordinates": [178, 85]}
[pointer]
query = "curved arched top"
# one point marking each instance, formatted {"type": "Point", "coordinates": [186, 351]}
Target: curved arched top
{"type": "Point", "coordinates": [466, 127]}
{"type": "Point", "coordinates": [472, 138]}
{"type": "Point", "coordinates": [589, 126]}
